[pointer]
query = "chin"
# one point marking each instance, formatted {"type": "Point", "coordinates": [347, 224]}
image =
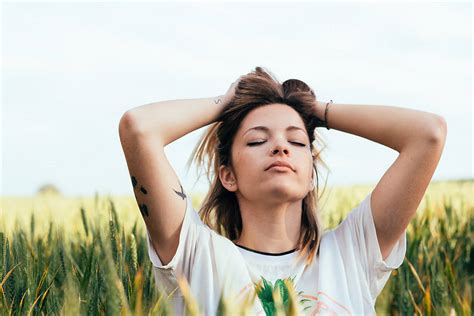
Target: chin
{"type": "Point", "coordinates": [284, 192]}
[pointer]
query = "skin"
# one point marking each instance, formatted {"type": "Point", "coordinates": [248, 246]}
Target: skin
{"type": "Point", "coordinates": [143, 207]}
{"type": "Point", "coordinates": [270, 201]}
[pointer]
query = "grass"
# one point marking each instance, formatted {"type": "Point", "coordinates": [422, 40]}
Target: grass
{"type": "Point", "coordinates": [88, 256]}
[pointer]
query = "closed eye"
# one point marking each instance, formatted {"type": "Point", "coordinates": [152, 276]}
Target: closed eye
{"type": "Point", "coordinates": [302, 145]}
{"type": "Point", "coordinates": [258, 143]}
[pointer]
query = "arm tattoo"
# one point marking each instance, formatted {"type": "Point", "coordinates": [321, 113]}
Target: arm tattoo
{"type": "Point", "coordinates": [144, 210]}
{"type": "Point", "coordinates": [143, 207]}
{"type": "Point", "coordinates": [217, 101]}
{"type": "Point", "coordinates": [181, 194]}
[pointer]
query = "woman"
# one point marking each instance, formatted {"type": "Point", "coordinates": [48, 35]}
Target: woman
{"type": "Point", "coordinates": [260, 216]}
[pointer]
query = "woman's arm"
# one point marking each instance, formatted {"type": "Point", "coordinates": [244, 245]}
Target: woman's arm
{"type": "Point", "coordinates": [170, 120]}
{"type": "Point", "coordinates": [418, 136]}
{"type": "Point", "coordinates": [392, 126]}
{"type": "Point", "coordinates": [144, 131]}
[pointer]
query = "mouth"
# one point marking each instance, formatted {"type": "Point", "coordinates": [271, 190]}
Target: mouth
{"type": "Point", "coordinates": [280, 168]}
{"type": "Point", "coordinates": [280, 165]}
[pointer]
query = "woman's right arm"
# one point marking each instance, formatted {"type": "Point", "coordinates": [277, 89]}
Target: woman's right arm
{"type": "Point", "coordinates": [144, 132]}
{"type": "Point", "coordinates": [170, 120]}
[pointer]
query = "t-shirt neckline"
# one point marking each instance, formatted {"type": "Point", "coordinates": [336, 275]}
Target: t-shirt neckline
{"type": "Point", "coordinates": [267, 253]}
{"type": "Point", "coordinates": [268, 259]}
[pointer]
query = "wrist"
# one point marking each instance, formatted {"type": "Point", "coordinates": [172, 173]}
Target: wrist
{"type": "Point", "coordinates": [219, 99]}
{"type": "Point", "coordinates": [319, 111]}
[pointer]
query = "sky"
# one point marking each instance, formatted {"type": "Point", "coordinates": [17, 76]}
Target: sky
{"type": "Point", "coordinates": [71, 70]}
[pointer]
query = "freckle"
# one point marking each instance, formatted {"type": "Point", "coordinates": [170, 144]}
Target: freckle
{"type": "Point", "coordinates": [143, 190]}
{"type": "Point", "coordinates": [134, 181]}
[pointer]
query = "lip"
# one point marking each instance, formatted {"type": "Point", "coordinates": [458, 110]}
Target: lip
{"type": "Point", "coordinates": [281, 168]}
{"type": "Point", "coordinates": [280, 165]}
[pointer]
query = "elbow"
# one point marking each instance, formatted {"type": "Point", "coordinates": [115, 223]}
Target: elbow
{"type": "Point", "coordinates": [439, 131]}
{"type": "Point", "coordinates": [128, 124]}
{"type": "Point", "coordinates": [430, 134]}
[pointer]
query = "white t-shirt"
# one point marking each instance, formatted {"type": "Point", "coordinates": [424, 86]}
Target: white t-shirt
{"type": "Point", "coordinates": [345, 279]}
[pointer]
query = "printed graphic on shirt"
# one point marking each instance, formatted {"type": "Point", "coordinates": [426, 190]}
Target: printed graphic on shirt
{"type": "Point", "coordinates": [325, 304]}
{"type": "Point", "coordinates": [266, 292]}
{"type": "Point", "coordinates": [315, 304]}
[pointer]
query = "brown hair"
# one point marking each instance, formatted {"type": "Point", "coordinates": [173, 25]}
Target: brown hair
{"type": "Point", "coordinates": [220, 208]}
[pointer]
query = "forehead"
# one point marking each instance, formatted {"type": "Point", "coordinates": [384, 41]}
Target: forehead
{"type": "Point", "coordinates": [278, 113]}
{"type": "Point", "coordinates": [273, 116]}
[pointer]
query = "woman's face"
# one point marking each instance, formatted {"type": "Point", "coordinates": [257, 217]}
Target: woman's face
{"type": "Point", "coordinates": [268, 134]}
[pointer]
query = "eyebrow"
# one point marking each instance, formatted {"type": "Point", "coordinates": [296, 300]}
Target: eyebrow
{"type": "Point", "coordinates": [266, 129]}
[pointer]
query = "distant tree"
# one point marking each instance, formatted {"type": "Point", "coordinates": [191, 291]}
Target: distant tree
{"type": "Point", "coordinates": [49, 189]}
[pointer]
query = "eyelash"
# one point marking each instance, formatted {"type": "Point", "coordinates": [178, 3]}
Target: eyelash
{"type": "Point", "coordinates": [258, 143]}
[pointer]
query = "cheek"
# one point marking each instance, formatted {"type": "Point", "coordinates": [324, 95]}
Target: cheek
{"type": "Point", "coordinates": [244, 163]}
{"type": "Point", "coordinates": [244, 156]}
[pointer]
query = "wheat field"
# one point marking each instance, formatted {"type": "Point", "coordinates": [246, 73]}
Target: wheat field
{"type": "Point", "coordinates": [88, 256]}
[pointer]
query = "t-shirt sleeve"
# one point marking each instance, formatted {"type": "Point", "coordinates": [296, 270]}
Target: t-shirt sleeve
{"type": "Point", "coordinates": [191, 231]}
{"type": "Point", "coordinates": [362, 227]}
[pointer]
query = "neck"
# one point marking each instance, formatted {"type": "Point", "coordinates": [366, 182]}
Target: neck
{"type": "Point", "coordinates": [270, 228]}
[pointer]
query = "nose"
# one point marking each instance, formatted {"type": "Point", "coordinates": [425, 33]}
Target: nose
{"type": "Point", "coordinates": [280, 149]}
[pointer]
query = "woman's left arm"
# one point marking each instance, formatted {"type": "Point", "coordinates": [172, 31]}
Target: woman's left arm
{"type": "Point", "coordinates": [418, 136]}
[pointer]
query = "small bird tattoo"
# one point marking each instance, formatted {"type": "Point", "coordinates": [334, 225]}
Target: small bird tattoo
{"type": "Point", "coordinates": [181, 194]}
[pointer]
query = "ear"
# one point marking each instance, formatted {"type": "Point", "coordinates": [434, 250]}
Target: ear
{"type": "Point", "coordinates": [226, 175]}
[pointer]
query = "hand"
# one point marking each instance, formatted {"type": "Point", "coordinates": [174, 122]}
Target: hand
{"type": "Point", "coordinates": [229, 95]}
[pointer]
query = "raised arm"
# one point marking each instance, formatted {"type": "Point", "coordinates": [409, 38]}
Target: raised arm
{"type": "Point", "coordinates": [144, 132]}
{"type": "Point", "coordinates": [418, 136]}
